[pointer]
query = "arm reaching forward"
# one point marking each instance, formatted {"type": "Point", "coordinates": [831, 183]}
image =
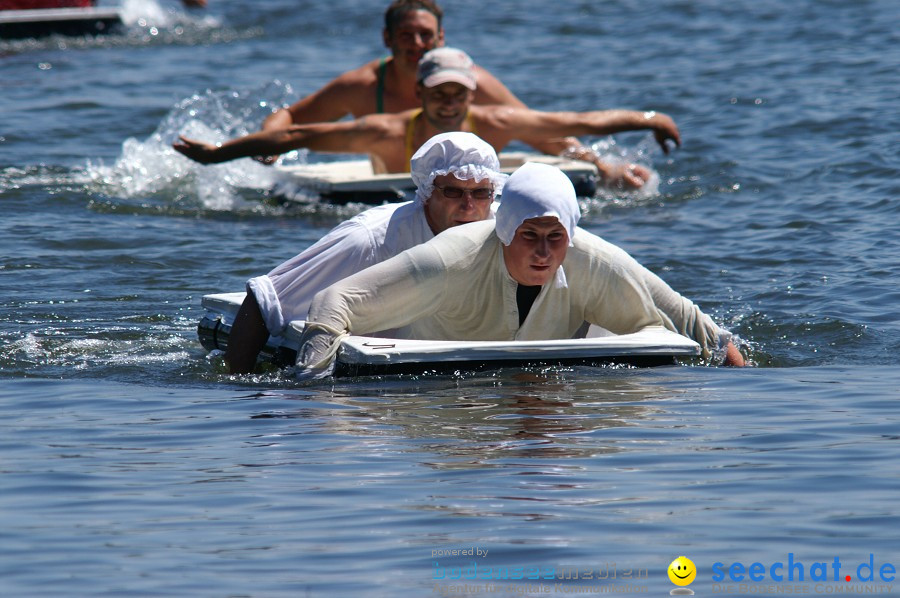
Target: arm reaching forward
{"type": "Point", "coordinates": [531, 125]}
{"type": "Point", "coordinates": [356, 136]}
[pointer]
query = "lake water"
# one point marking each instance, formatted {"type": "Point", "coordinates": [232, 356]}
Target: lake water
{"type": "Point", "coordinates": [132, 465]}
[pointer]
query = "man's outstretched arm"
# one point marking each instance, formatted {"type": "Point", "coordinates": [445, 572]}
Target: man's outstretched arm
{"type": "Point", "coordinates": [528, 125]}
{"type": "Point", "coordinates": [346, 136]}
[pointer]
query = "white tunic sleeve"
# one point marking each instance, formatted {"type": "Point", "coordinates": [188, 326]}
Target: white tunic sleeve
{"type": "Point", "coordinates": [683, 316]}
{"type": "Point", "coordinates": [676, 312]}
{"type": "Point", "coordinates": [390, 294]}
{"type": "Point", "coordinates": [285, 293]}
{"type": "Point", "coordinates": [442, 288]}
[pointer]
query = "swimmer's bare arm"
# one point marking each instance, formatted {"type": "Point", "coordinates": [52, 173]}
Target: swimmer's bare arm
{"type": "Point", "coordinates": [626, 175]}
{"type": "Point", "coordinates": [609, 122]}
{"type": "Point", "coordinates": [491, 91]}
{"type": "Point", "coordinates": [338, 98]}
{"type": "Point", "coordinates": [357, 136]}
{"type": "Point", "coordinates": [630, 176]}
{"type": "Point", "coordinates": [733, 356]}
{"type": "Point", "coordinates": [530, 125]}
{"type": "Point", "coordinates": [533, 123]}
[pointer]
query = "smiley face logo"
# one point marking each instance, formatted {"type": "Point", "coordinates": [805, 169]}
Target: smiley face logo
{"type": "Point", "coordinates": [682, 571]}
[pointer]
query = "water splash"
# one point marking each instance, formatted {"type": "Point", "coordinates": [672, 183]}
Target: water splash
{"type": "Point", "coordinates": [149, 13]}
{"type": "Point", "coordinates": [151, 167]}
{"type": "Point", "coordinates": [616, 154]}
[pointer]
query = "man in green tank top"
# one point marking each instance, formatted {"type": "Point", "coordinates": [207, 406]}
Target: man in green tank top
{"type": "Point", "coordinates": [388, 85]}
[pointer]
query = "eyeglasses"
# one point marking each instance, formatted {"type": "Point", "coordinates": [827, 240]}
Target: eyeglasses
{"type": "Point", "coordinates": [457, 192]}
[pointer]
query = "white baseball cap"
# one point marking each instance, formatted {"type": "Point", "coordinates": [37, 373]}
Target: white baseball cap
{"type": "Point", "coordinates": [445, 65]}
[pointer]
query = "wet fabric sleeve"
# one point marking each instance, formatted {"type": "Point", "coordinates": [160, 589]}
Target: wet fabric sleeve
{"type": "Point", "coordinates": [676, 312]}
{"type": "Point", "coordinates": [683, 316]}
{"type": "Point", "coordinates": [284, 294]}
{"type": "Point", "coordinates": [606, 288]}
{"type": "Point", "coordinates": [391, 294]}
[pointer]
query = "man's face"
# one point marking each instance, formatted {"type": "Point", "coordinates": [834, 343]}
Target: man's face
{"type": "Point", "coordinates": [414, 34]}
{"type": "Point", "coordinates": [445, 106]}
{"type": "Point", "coordinates": [536, 251]}
{"type": "Point", "coordinates": [442, 212]}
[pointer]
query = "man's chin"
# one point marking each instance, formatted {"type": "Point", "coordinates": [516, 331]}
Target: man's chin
{"type": "Point", "coordinates": [408, 61]}
{"type": "Point", "coordinates": [447, 124]}
{"type": "Point", "coordinates": [540, 276]}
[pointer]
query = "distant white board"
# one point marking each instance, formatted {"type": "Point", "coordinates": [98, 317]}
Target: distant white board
{"type": "Point", "coordinates": [60, 21]}
{"type": "Point", "coordinates": [347, 181]}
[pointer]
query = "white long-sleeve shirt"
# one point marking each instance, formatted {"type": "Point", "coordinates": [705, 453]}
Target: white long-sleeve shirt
{"type": "Point", "coordinates": [457, 287]}
{"type": "Point", "coordinates": [284, 294]}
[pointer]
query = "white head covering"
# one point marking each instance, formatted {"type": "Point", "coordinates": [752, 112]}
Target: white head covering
{"type": "Point", "coordinates": [535, 190]}
{"type": "Point", "coordinates": [464, 155]}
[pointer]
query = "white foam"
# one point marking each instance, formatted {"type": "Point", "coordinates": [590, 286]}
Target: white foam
{"type": "Point", "coordinates": [151, 166]}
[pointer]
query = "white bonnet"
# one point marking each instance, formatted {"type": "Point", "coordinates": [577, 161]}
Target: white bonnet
{"type": "Point", "coordinates": [535, 190]}
{"type": "Point", "coordinates": [464, 155]}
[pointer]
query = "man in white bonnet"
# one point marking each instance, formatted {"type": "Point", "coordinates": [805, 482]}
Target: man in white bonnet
{"type": "Point", "coordinates": [457, 177]}
{"type": "Point", "coordinates": [531, 274]}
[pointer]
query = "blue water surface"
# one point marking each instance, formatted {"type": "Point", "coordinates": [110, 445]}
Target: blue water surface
{"type": "Point", "coordinates": [132, 464]}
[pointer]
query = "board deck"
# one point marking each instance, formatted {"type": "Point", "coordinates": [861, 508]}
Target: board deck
{"type": "Point", "coordinates": [347, 181]}
{"type": "Point", "coordinates": [366, 355]}
{"type": "Point", "coordinates": [19, 24]}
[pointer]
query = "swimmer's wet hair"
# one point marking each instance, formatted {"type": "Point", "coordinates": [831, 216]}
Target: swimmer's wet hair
{"type": "Point", "coordinates": [398, 8]}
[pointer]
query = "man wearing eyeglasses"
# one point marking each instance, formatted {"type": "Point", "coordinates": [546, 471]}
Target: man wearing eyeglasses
{"type": "Point", "coordinates": [446, 86]}
{"type": "Point", "coordinates": [457, 176]}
